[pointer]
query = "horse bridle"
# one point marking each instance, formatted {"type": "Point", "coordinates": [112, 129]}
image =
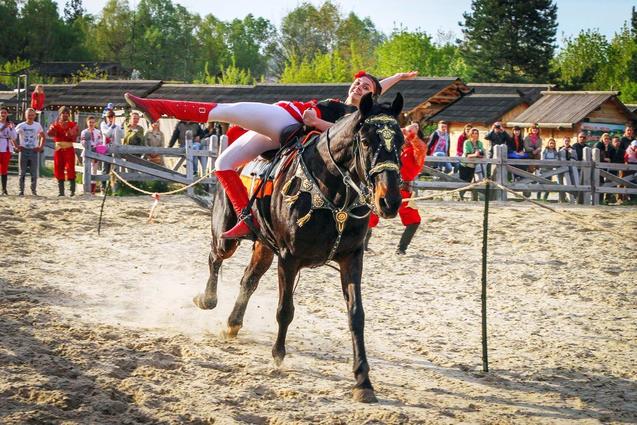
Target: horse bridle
{"type": "Point", "coordinates": [383, 124]}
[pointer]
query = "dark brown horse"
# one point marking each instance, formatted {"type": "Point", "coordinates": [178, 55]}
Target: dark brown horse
{"type": "Point", "coordinates": [318, 211]}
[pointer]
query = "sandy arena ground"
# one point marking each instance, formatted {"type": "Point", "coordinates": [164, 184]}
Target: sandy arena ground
{"type": "Point", "coordinates": [102, 330]}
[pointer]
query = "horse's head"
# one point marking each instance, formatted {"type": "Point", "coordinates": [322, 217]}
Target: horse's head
{"type": "Point", "coordinates": [381, 142]}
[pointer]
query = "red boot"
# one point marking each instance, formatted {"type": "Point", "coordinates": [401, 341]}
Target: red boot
{"type": "Point", "coordinates": [238, 195]}
{"type": "Point", "coordinates": [182, 110]}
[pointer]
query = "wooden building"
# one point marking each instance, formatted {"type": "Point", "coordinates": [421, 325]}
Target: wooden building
{"type": "Point", "coordinates": [485, 104]}
{"type": "Point", "coordinates": [566, 113]}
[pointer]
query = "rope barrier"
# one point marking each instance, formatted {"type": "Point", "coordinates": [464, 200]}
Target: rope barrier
{"type": "Point", "coordinates": [171, 192]}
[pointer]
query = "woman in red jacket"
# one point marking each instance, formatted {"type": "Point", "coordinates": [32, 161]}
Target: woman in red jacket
{"type": "Point", "coordinates": [37, 98]}
{"type": "Point", "coordinates": [412, 158]}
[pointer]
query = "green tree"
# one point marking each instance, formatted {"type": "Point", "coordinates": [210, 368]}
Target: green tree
{"type": "Point", "coordinates": [250, 43]}
{"type": "Point", "coordinates": [10, 29]}
{"type": "Point", "coordinates": [356, 40]}
{"type": "Point", "coordinates": [580, 61]}
{"type": "Point", "coordinates": [73, 9]}
{"type": "Point", "coordinates": [308, 31]}
{"type": "Point", "coordinates": [112, 34]}
{"type": "Point", "coordinates": [510, 40]}
{"type": "Point", "coordinates": [47, 36]}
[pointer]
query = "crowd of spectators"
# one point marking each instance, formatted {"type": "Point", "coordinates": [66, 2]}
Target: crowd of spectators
{"type": "Point", "coordinates": [613, 149]}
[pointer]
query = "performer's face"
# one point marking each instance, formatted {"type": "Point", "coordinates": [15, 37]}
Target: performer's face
{"type": "Point", "coordinates": [359, 88]}
{"type": "Point", "coordinates": [64, 116]}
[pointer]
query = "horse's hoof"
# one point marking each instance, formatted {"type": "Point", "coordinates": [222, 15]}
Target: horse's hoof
{"type": "Point", "coordinates": [204, 303]}
{"type": "Point", "coordinates": [231, 332]}
{"type": "Point", "coordinates": [364, 395]}
{"type": "Point", "coordinates": [278, 357]}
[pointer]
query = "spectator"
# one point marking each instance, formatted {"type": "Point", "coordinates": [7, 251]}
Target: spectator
{"type": "Point", "coordinates": [30, 144]}
{"type": "Point", "coordinates": [7, 142]}
{"type": "Point", "coordinates": [604, 146]}
{"type": "Point", "coordinates": [533, 145]}
{"type": "Point", "coordinates": [630, 157]}
{"type": "Point", "coordinates": [462, 138]}
{"type": "Point", "coordinates": [515, 145]}
{"type": "Point", "coordinates": [155, 138]}
{"type": "Point", "coordinates": [571, 154]}
{"type": "Point", "coordinates": [627, 137]}
{"type": "Point", "coordinates": [180, 133]}
{"type": "Point", "coordinates": [439, 144]}
{"type": "Point", "coordinates": [112, 133]}
{"type": "Point", "coordinates": [91, 138]}
{"type": "Point", "coordinates": [134, 135]}
{"type": "Point", "coordinates": [64, 133]}
{"type": "Point", "coordinates": [549, 154]}
{"type": "Point", "coordinates": [580, 145]}
{"type": "Point", "coordinates": [37, 98]}
{"type": "Point", "coordinates": [473, 148]}
{"type": "Point", "coordinates": [616, 152]}
{"type": "Point", "coordinates": [497, 136]}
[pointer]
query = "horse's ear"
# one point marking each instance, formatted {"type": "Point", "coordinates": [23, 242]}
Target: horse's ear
{"type": "Point", "coordinates": [365, 105]}
{"type": "Point", "coordinates": [397, 104]}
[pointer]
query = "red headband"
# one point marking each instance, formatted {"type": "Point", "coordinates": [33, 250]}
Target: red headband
{"type": "Point", "coordinates": [377, 87]}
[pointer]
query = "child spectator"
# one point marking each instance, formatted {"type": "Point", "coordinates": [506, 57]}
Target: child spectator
{"type": "Point", "coordinates": [91, 138]}
{"type": "Point", "coordinates": [473, 148]}
{"type": "Point", "coordinates": [515, 145]}
{"type": "Point", "coordinates": [154, 138]}
{"type": "Point", "coordinates": [439, 144]}
{"type": "Point", "coordinates": [549, 153]}
{"type": "Point", "coordinates": [30, 144]}
{"type": "Point", "coordinates": [7, 142]}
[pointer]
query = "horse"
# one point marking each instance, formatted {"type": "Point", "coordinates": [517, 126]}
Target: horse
{"type": "Point", "coordinates": [318, 211]}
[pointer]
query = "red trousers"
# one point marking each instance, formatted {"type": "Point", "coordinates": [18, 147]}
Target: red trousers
{"type": "Point", "coordinates": [4, 163]}
{"type": "Point", "coordinates": [64, 160]}
{"type": "Point", "coordinates": [408, 215]}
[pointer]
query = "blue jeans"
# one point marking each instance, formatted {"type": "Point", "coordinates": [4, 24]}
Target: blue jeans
{"type": "Point", "coordinates": [446, 165]}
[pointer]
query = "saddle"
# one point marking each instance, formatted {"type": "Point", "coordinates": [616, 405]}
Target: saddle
{"type": "Point", "coordinates": [259, 174]}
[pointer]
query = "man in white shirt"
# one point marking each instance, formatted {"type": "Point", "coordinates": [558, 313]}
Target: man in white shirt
{"type": "Point", "coordinates": [30, 144]}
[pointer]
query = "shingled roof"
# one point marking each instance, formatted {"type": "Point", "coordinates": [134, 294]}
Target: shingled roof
{"type": "Point", "coordinates": [488, 102]}
{"type": "Point", "coordinates": [94, 94]}
{"type": "Point", "coordinates": [557, 109]}
{"type": "Point", "coordinates": [632, 107]}
{"type": "Point", "coordinates": [52, 93]}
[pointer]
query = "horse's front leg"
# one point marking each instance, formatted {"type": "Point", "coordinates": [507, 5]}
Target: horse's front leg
{"type": "Point", "coordinates": [351, 272]}
{"type": "Point", "coordinates": [288, 269]}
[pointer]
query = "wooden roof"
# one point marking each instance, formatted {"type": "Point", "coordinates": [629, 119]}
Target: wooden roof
{"type": "Point", "coordinates": [95, 94]}
{"type": "Point", "coordinates": [487, 102]}
{"type": "Point", "coordinates": [417, 92]}
{"type": "Point", "coordinates": [632, 107]}
{"type": "Point", "coordinates": [564, 108]}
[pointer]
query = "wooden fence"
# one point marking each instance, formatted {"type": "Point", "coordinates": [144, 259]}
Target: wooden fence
{"type": "Point", "coordinates": [132, 165]}
{"type": "Point", "coordinates": [584, 181]}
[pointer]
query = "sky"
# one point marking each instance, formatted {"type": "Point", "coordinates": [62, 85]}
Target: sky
{"type": "Point", "coordinates": [431, 16]}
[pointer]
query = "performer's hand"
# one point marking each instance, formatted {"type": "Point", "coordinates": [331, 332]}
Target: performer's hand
{"type": "Point", "coordinates": [408, 75]}
{"type": "Point", "coordinates": [309, 117]}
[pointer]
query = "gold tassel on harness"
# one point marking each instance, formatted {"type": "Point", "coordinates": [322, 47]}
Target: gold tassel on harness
{"type": "Point", "coordinates": [291, 199]}
{"type": "Point", "coordinates": [301, 221]}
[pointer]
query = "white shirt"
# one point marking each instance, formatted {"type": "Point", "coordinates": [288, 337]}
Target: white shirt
{"type": "Point", "coordinates": [29, 134]}
{"type": "Point", "coordinates": [7, 133]}
{"type": "Point", "coordinates": [112, 133]}
{"type": "Point", "coordinates": [93, 137]}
